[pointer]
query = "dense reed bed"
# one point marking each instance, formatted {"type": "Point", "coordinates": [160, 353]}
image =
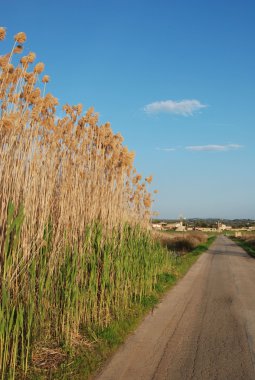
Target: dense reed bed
{"type": "Point", "coordinates": [74, 247]}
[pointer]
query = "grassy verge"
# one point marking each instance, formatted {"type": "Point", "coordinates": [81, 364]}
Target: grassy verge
{"type": "Point", "coordinates": [102, 342]}
{"type": "Point", "coordinates": [245, 245]}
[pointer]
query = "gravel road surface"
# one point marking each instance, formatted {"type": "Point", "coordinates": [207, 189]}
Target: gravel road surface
{"type": "Point", "coordinates": [204, 328]}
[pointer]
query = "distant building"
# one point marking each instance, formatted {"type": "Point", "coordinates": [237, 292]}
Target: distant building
{"type": "Point", "coordinates": [180, 227]}
{"type": "Point", "coordinates": [162, 226]}
{"type": "Point", "coordinates": [223, 227]}
{"type": "Point", "coordinates": [157, 226]}
{"type": "Point", "coordinates": [171, 226]}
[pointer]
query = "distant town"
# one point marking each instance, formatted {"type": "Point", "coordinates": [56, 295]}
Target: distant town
{"type": "Point", "coordinates": [205, 225]}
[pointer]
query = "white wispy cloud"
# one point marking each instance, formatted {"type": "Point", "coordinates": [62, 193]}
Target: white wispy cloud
{"type": "Point", "coordinates": [216, 148]}
{"type": "Point", "coordinates": [183, 107]}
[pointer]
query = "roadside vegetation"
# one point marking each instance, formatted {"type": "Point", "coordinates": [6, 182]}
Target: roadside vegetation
{"type": "Point", "coordinates": [247, 242]}
{"type": "Point", "coordinates": [78, 265]}
{"type": "Point", "coordinates": [181, 242]}
{"type": "Point", "coordinates": [101, 342]}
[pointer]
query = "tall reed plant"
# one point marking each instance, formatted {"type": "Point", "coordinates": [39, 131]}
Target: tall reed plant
{"type": "Point", "coordinates": [74, 247]}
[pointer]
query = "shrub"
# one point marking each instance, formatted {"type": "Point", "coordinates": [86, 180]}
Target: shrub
{"type": "Point", "coordinates": [183, 243]}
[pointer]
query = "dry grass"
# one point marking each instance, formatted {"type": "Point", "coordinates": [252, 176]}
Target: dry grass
{"type": "Point", "coordinates": [249, 238]}
{"type": "Point", "coordinates": [181, 242]}
{"type": "Point", "coordinates": [48, 358]}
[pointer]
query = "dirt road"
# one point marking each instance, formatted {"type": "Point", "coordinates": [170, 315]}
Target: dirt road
{"type": "Point", "coordinates": [203, 329]}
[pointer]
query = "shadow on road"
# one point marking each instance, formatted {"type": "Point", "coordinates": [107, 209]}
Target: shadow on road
{"type": "Point", "coordinates": [230, 253]}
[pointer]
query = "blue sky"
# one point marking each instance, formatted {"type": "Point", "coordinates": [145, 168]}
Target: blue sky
{"type": "Point", "coordinates": [175, 77]}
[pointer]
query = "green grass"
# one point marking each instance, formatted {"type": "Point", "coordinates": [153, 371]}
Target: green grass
{"type": "Point", "coordinates": [245, 245]}
{"type": "Point", "coordinates": [104, 341]}
{"type": "Point", "coordinates": [64, 323]}
{"type": "Point", "coordinates": [56, 302]}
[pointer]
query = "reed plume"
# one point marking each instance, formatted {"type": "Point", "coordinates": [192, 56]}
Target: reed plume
{"type": "Point", "coordinates": [2, 33]}
{"type": "Point", "coordinates": [20, 37]}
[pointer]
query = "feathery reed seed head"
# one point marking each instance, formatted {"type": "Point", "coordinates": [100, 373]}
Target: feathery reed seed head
{"type": "Point", "coordinates": [45, 79]}
{"type": "Point", "coordinates": [2, 33]}
{"type": "Point", "coordinates": [18, 49]}
{"type": "Point", "coordinates": [4, 61]}
{"type": "Point", "coordinates": [147, 201]}
{"type": "Point", "coordinates": [24, 60]}
{"type": "Point", "coordinates": [148, 179]}
{"type": "Point", "coordinates": [20, 37]}
{"type": "Point", "coordinates": [31, 57]}
{"type": "Point", "coordinates": [10, 68]}
{"type": "Point", "coordinates": [39, 67]}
